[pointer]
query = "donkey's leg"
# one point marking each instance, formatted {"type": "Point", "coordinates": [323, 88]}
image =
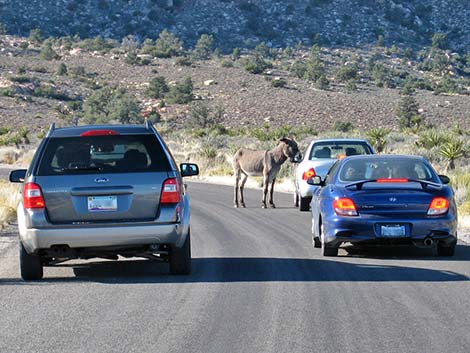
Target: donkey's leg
{"type": "Point", "coordinates": [242, 185]}
{"type": "Point", "coordinates": [235, 193]}
{"type": "Point", "coordinates": [265, 190]}
{"type": "Point", "coordinates": [271, 200]}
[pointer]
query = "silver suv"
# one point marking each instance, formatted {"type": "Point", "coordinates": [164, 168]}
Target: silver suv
{"type": "Point", "coordinates": [103, 191]}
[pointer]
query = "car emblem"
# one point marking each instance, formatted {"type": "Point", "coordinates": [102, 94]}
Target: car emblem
{"type": "Point", "coordinates": [101, 180]}
{"type": "Point", "coordinates": [392, 199]}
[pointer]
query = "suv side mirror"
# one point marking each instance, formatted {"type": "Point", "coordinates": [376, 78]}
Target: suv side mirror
{"type": "Point", "coordinates": [444, 179]}
{"type": "Point", "coordinates": [17, 175]}
{"type": "Point", "coordinates": [189, 169]}
{"type": "Point", "coordinates": [316, 180]}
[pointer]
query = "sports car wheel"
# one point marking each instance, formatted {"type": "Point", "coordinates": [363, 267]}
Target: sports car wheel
{"type": "Point", "coordinates": [445, 250]}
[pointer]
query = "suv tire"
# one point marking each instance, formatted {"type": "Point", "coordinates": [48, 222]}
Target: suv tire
{"type": "Point", "coordinates": [30, 265]}
{"type": "Point", "coordinates": [180, 258]}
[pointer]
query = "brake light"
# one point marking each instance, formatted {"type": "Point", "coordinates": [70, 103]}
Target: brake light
{"type": "Point", "coordinates": [309, 174]}
{"type": "Point", "coordinates": [438, 206]}
{"type": "Point", "coordinates": [32, 196]}
{"type": "Point", "coordinates": [170, 192]}
{"type": "Point", "coordinates": [392, 180]}
{"type": "Point", "coordinates": [345, 207]}
{"type": "Point", "coordinates": [99, 133]}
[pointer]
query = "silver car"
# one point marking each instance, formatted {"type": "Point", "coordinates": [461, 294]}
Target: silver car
{"type": "Point", "coordinates": [103, 191]}
{"type": "Point", "coordinates": [318, 159]}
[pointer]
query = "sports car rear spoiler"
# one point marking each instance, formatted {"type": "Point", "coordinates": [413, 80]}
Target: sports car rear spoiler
{"type": "Point", "coordinates": [424, 183]}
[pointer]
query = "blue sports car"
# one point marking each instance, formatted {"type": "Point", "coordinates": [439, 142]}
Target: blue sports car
{"type": "Point", "coordinates": [383, 199]}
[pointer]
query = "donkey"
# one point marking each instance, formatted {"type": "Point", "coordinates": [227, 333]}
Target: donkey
{"type": "Point", "coordinates": [263, 163]}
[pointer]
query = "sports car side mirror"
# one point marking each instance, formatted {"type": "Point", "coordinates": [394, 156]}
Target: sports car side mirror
{"type": "Point", "coordinates": [316, 180]}
{"type": "Point", "coordinates": [444, 179]}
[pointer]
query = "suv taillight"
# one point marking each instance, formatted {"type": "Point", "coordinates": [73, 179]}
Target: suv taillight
{"type": "Point", "coordinates": [309, 174]}
{"type": "Point", "coordinates": [438, 206]}
{"type": "Point", "coordinates": [170, 192]}
{"type": "Point", "coordinates": [32, 196]}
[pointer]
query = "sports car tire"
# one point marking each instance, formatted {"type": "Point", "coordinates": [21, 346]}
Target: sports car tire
{"type": "Point", "coordinates": [445, 250]}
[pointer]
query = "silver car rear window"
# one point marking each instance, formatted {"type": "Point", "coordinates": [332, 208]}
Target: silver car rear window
{"type": "Point", "coordinates": [103, 154]}
{"type": "Point", "coordinates": [337, 150]}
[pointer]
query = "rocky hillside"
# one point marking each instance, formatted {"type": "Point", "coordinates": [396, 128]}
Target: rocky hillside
{"type": "Point", "coordinates": [244, 23]}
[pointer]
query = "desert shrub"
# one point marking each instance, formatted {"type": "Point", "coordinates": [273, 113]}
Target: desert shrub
{"type": "Point", "coordinates": [96, 44]}
{"type": "Point", "coordinates": [181, 93]}
{"type": "Point", "coordinates": [236, 54]}
{"type": "Point", "coordinates": [204, 47]}
{"type": "Point", "coordinates": [278, 82]}
{"type": "Point", "coordinates": [447, 85]}
{"type": "Point", "coordinates": [378, 138]}
{"type": "Point", "coordinates": [167, 45]}
{"type": "Point", "coordinates": [157, 87]}
{"type": "Point", "coordinates": [299, 69]}
{"type": "Point", "coordinates": [226, 63]}
{"type": "Point", "coordinates": [62, 70]}
{"type": "Point", "coordinates": [77, 71]}
{"type": "Point", "coordinates": [183, 61]}
{"type": "Point", "coordinates": [3, 29]}
{"type": "Point", "coordinates": [382, 76]}
{"type": "Point", "coordinates": [22, 79]}
{"type": "Point", "coordinates": [264, 51]}
{"type": "Point", "coordinates": [47, 52]}
{"type": "Point", "coordinates": [344, 126]}
{"type": "Point", "coordinates": [351, 86]}
{"type": "Point", "coordinates": [49, 91]}
{"type": "Point", "coordinates": [7, 92]}
{"type": "Point", "coordinates": [40, 69]}
{"type": "Point", "coordinates": [23, 132]}
{"type": "Point", "coordinates": [203, 116]}
{"type": "Point", "coordinates": [256, 64]}
{"type": "Point", "coordinates": [347, 72]}
{"type": "Point", "coordinates": [208, 151]}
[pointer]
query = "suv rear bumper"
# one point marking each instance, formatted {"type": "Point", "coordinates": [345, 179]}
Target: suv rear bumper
{"type": "Point", "coordinates": [35, 239]}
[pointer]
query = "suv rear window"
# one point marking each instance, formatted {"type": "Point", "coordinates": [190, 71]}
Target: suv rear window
{"type": "Point", "coordinates": [336, 150]}
{"type": "Point", "coordinates": [103, 154]}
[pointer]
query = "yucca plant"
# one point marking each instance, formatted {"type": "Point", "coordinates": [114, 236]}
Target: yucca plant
{"type": "Point", "coordinates": [23, 132]}
{"type": "Point", "coordinates": [432, 138]}
{"type": "Point", "coordinates": [453, 150]}
{"type": "Point", "coordinates": [378, 138]}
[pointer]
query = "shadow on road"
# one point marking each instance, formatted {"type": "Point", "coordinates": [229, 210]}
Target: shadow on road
{"type": "Point", "coordinates": [249, 269]}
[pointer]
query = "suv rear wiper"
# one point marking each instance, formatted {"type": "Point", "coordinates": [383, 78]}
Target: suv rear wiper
{"type": "Point", "coordinates": [424, 183]}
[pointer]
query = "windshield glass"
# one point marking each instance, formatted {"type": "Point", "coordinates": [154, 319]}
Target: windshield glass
{"type": "Point", "coordinates": [338, 149]}
{"type": "Point", "coordinates": [360, 169]}
{"type": "Point", "coordinates": [98, 154]}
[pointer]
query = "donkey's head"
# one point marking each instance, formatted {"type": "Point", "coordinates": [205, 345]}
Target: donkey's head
{"type": "Point", "coordinates": [291, 150]}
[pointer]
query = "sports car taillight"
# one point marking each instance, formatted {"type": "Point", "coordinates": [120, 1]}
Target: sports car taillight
{"type": "Point", "coordinates": [438, 206]}
{"type": "Point", "coordinates": [170, 192]}
{"type": "Point", "coordinates": [345, 207]}
{"type": "Point", "coordinates": [32, 196]}
{"type": "Point", "coordinates": [309, 174]}
{"type": "Point", "coordinates": [392, 180]}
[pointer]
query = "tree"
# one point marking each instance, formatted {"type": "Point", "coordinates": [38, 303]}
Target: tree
{"type": "Point", "coordinates": [167, 45]}
{"type": "Point", "coordinates": [36, 36]}
{"type": "Point", "coordinates": [157, 87]}
{"type": "Point", "coordinates": [440, 41]}
{"type": "Point", "coordinates": [204, 47]}
{"type": "Point", "coordinates": [47, 53]}
{"type": "Point", "coordinates": [407, 112]}
{"type": "Point", "coordinates": [3, 28]}
{"type": "Point", "coordinates": [181, 93]}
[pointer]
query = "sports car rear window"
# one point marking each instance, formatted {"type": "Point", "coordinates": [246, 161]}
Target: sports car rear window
{"type": "Point", "coordinates": [357, 169]}
{"type": "Point", "coordinates": [103, 154]}
{"type": "Point", "coordinates": [337, 150]}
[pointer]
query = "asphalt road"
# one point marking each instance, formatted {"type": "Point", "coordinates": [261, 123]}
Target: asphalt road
{"type": "Point", "coordinates": [257, 286]}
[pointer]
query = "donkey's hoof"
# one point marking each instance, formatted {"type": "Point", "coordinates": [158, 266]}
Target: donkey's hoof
{"type": "Point", "coordinates": [272, 205]}
{"type": "Point", "coordinates": [235, 205]}
{"type": "Point", "coordinates": [242, 205]}
{"type": "Point", "coordinates": [263, 205]}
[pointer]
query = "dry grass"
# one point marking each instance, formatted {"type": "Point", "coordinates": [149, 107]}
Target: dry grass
{"type": "Point", "coordinates": [9, 199]}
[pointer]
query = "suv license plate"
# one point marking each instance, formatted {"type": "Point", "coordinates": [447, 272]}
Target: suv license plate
{"type": "Point", "coordinates": [102, 203]}
{"type": "Point", "coordinates": [393, 231]}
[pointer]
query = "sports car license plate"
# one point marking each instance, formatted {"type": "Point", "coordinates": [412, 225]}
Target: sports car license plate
{"type": "Point", "coordinates": [393, 231]}
{"type": "Point", "coordinates": [102, 203]}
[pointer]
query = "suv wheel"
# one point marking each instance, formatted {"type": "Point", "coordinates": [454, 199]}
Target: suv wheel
{"type": "Point", "coordinates": [304, 203]}
{"type": "Point", "coordinates": [30, 265]}
{"type": "Point", "coordinates": [180, 258]}
{"type": "Point", "coordinates": [296, 199]}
